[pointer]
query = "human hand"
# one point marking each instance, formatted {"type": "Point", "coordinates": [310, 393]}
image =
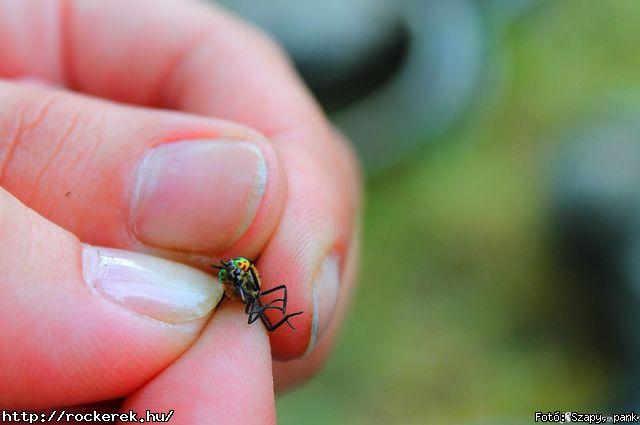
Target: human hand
{"type": "Point", "coordinates": [265, 175]}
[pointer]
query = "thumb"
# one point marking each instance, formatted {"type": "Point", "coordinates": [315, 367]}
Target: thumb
{"type": "Point", "coordinates": [79, 323]}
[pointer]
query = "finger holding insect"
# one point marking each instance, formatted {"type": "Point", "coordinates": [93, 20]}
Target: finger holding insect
{"type": "Point", "coordinates": [308, 250]}
{"type": "Point", "coordinates": [325, 291]}
{"type": "Point", "coordinates": [309, 246]}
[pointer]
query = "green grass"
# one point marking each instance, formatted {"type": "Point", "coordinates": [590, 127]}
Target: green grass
{"type": "Point", "coordinates": [467, 323]}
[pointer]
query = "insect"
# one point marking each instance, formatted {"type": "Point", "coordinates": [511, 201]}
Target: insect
{"type": "Point", "coordinates": [241, 280]}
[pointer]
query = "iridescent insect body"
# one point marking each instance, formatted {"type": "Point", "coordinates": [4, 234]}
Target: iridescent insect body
{"type": "Point", "coordinates": [241, 280]}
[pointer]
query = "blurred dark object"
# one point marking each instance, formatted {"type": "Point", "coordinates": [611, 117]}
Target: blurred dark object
{"type": "Point", "coordinates": [596, 205]}
{"type": "Point", "coordinates": [393, 75]}
{"type": "Point", "coordinates": [596, 196]}
{"type": "Point", "coordinates": [343, 49]}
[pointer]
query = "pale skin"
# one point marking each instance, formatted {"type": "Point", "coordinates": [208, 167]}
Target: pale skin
{"type": "Point", "coordinates": [86, 88]}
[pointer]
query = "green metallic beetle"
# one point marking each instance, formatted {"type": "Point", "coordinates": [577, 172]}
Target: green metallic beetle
{"type": "Point", "coordinates": [241, 280]}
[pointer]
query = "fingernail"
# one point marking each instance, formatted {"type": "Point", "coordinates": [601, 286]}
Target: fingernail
{"type": "Point", "coordinates": [198, 195]}
{"type": "Point", "coordinates": [324, 293]}
{"type": "Point", "coordinates": [151, 286]}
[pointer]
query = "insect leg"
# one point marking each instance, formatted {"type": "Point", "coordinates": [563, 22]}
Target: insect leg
{"type": "Point", "coordinates": [268, 291]}
{"type": "Point", "coordinates": [248, 307]}
{"type": "Point", "coordinates": [258, 313]}
{"type": "Point", "coordinates": [284, 296]}
{"type": "Point", "coordinates": [272, 327]}
{"type": "Point", "coordinates": [256, 306]}
{"type": "Point", "coordinates": [255, 310]}
{"type": "Point", "coordinates": [219, 267]}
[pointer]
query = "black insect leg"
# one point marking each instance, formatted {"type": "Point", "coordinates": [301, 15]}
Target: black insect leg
{"type": "Point", "coordinates": [248, 307]}
{"type": "Point", "coordinates": [284, 296]}
{"type": "Point", "coordinates": [255, 315]}
{"type": "Point", "coordinates": [258, 314]}
{"type": "Point", "coordinates": [272, 327]}
{"type": "Point", "coordinates": [256, 307]}
{"type": "Point", "coordinates": [256, 311]}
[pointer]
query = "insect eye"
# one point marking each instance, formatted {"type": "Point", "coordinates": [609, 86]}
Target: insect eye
{"type": "Point", "coordinates": [222, 275]}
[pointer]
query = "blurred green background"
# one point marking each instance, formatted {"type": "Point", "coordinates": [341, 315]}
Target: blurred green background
{"type": "Point", "coordinates": [461, 313]}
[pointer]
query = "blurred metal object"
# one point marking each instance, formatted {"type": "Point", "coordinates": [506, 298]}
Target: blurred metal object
{"type": "Point", "coordinates": [393, 75]}
{"type": "Point", "coordinates": [330, 41]}
{"type": "Point", "coordinates": [428, 91]}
